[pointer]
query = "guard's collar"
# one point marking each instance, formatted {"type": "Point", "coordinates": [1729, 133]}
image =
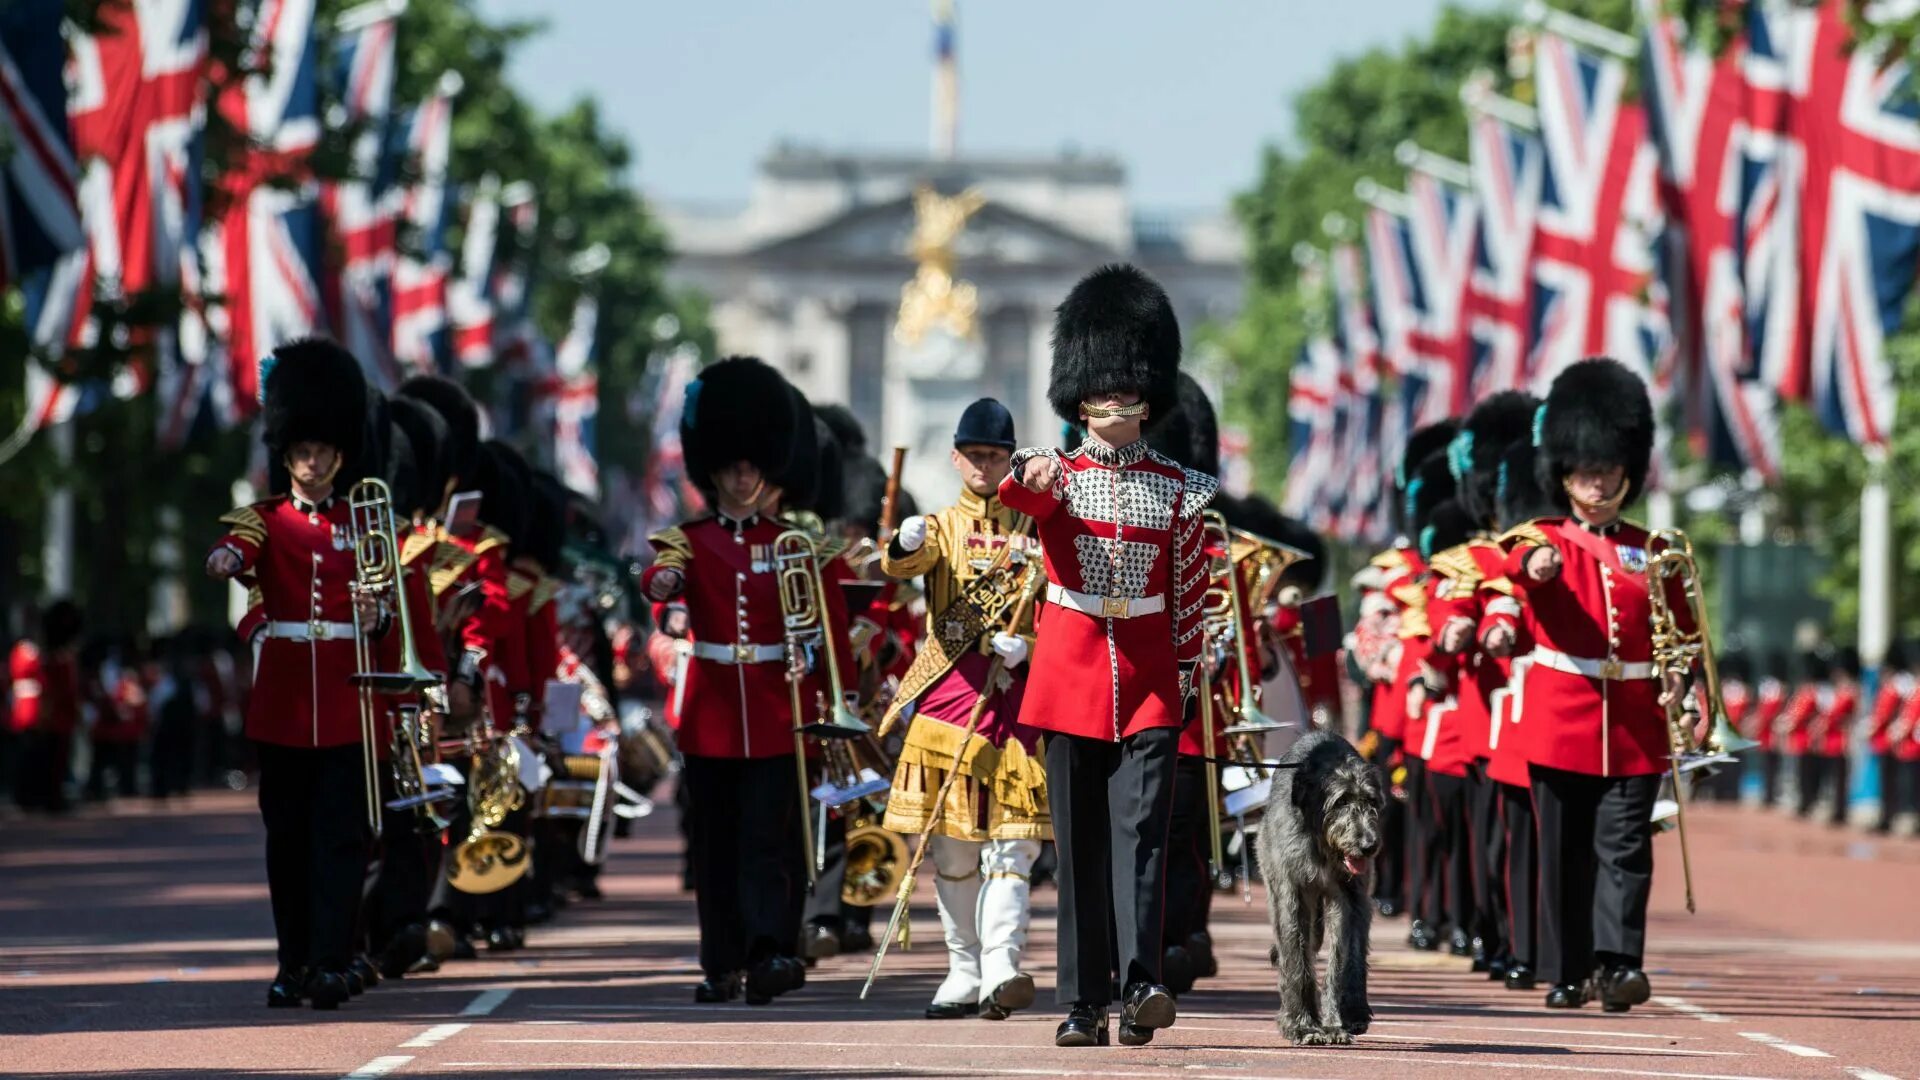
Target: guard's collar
{"type": "Point", "coordinates": [1102, 454]}
{"type": "Point", "coordinates": [306, 507]}
{"type": "Point", "coordinates": [978, 506]}
{"type": "Point", "coordinates": [736, 524]}
{"type": "Point", "coordinates": [1608, 529]}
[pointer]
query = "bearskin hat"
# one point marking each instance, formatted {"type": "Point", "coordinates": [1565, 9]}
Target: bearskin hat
{"type": "Point", "coordinates": [1422, 444]}
{"type": "Point", "coordinates": [502, 477]}
{"type": "Point", "coordinates": [865, 485]}
{"type": "Point", "coordinates": [1846, 660]}
{"type": "Point", "coordinates": [402, 473]}
{"type": "Point", "coordinates": [815, 478]}
{"type": "Point", "coordinates": [845, 426]}
{"type": "Point", "coordinates": [1816, 664]}
{"type": "Point", "coordinates": [1190, 434]}
{"type": "Point", "coordinates": [60, 624]}
{"type": "Point", "coordinates": [1448, 526]}
{"type": "Point", "coordinates": [450, 400]}
{"type": "Point", "coordinates": [1597, 414]}
{"type": "Point", "coordinates": [312, 391]}
{"type": "Point", "coordinates": [1517, 496]}
{"type": "Point", "coordinates": [1475, 453]}
{"type": "Point", "coordinates": [1115, 331]}
{"type": "Point", "coordinates": [547, 525]}
{"type": "Point", "coordinates": [1735, 666]}
{"type": "Point", "coordinates": [1260, 516]}
{"type": "Point", "coordinates": [1431, 484]}
{"type": "Point", "coordinates": [739, 409]}
{"type": "Point", "coordinates": [427, 437]}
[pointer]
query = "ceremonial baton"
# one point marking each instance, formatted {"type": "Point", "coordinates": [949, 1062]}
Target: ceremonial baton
{"type": "Point", "coordinates": [890, 504]}
{"type": "Point", "coordinates": [940, 801]}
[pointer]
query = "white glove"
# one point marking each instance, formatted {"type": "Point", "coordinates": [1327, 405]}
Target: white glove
{"type": "Point", "coordinates": [1012, 649]}
{"type": "Point", "coordinates": [913, 533]}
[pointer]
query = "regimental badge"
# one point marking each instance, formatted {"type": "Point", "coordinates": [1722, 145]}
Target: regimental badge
{"type": "Point", "coordinates": [762, 556]}
{"type": "Point", "coordinates": [1633, 558]}
{"type": "Point", "coordinates": [339, 537]}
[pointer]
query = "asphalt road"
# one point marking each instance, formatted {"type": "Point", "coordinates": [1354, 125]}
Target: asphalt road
{"type": "Point", "coordinates": [138, 944]}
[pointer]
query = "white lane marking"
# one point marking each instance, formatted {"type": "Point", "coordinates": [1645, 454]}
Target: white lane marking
{"type": "Point", "coordinates": [1606, 1047]}
{"type": "Point", "coordinates": [485, 1002]}
{"type": "Point", "coordinates": [1779, 1043]}
{"type": "Point", "coordinates": [379, 1066]}
{"type": "Point", "coordinates": [1868, 1074]}
{"type": "Point", "coordinates": [1267, 1021]}
{"type": "Point", "coordinates": [439, 1033]}
{"type": "Point", "coordinates": [1615, 1070]}
{"type": "Point", "coordinates": [892, 1068]}
{"type": "Point", "coordinates": [1682, 1005]}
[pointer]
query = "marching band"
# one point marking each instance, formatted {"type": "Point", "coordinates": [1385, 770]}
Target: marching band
{"type": "Point", "coordinates": [1081, 669]}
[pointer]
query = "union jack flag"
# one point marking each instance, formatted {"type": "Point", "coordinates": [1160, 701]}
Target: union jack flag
{"type": "Point", "coordinates": [1593, 259]}
{"type": "Point", "coordinates": [1443, 225]}
{"type": "Point", "coordinates": [1312, 432]}
{"type": "Point", "coordinates": [425, 263]}
{"type": "Point", "coordinates": [264, 251]}
{"type": "Point", "coordinates": [39, 213]}
{"type": "Point", "coordinates": [1853, 183]}
{"type": "Point", "coordinates": [1710, 120]}
{"type": "Point", "coordinates": [1357, 346]}
{"type": "Point", "coordinates": [576, 402]}
{"type": "Point", "coordinates": [363, 212]}
{"type": "Point", "coordinates": [1398, 306]}
{"type": "Point", "coordinates": [665, 489]}
{"type": "Point", "coordinates": [1505, 161]}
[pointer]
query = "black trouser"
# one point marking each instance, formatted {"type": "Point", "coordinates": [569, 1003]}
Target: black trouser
{"type": "Point", "coordinates": [1389, 881]}
{"type": "Point", "coordinates": [749, 873]}
{"type": "Point", "coordinates": [1522, 874]}
{"type": "Point", "coordinates": [1596, 870]}
{"type": "Point", "coordinates": [1489, 859]}
{"type": "Point", "coordinates": [1424, 856]}
{"type": "Point", "coordinates": [122, 759]}
{"type": "Point", "coordinates": [1827, 771]}
{"type": "Point", "coordinates": [41, 780]}
{"type": "Point", "coordinates": [313, 803]}
{"type": "Point", "coordinates": [1112, 806]}
{"type": "Point", "coordinates": [1451, 799]}
{"type": "Point", "coordinates": [1768, 762]}
{"type": "Point", "coordinates": [824, 906]}
{"type": "Point", "coordinates": [1189, 853]}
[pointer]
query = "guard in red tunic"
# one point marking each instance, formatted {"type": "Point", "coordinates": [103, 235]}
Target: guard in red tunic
{"type": "Point", "coordinates": [1826, 778]}
{"type": "Point", "coordinates": [1119, 637]}
{"type": "Point", "coordinates": [741, 428]}
{"type": "Point", "coordinates": [44, 678]}
{"type": "Point", "coordinates": [1596, 727]}
{"type": "Point", "coordinates": [1422, 689]}
{"type": "Point", "coordinates": [1768, 726]}
{"type": "Point", "coordinates": [1897, 684]}
{"type": "Point", "coordinates": [303, 715]}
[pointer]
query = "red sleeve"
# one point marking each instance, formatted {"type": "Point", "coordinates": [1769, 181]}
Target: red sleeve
{"type": "Point", "coordinates": [24, 671]}
{"type": "Point", "coordinates": [486, 629]}
{"type": "Point", "coordinates": [1038, 505]}
{"type": "Point", "coordinates": [1190, 590]}
{"type": "Point", "coordinates": [543, 654]}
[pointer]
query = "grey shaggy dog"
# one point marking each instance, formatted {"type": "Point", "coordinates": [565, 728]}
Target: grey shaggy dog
{"type": "Point", "coordinates": [1317, 842]}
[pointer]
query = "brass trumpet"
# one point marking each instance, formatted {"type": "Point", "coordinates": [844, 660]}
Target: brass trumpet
{"type": "Point", "coordinates": [376, 572]}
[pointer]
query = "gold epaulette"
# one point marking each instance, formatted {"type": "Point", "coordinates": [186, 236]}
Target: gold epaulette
{"type": "Point", "coordinates": [1412, 595]}
{"type": "Point", "coordinates": [672, 548]}
{"type": "Point", "coordinates": [1457, 565]}
{"type": "Point", "coordinates": [543, 593]}
{"type": "Point", "coordinates": [518, 585]}
{"type": "Point", "coordinates": [450, 561]}
{"type": "Point", "coordinates": [255, 598]}
{"type": "Point", "coordinates": [415, 545]}
{"type": "Point", "coordinates": [246, 523]}
{"type": "Point", "coordinates": [1528, 533]}
{"type": "Point", "coordinates": [1392, 559]}
{"type": "Point", "coordinates": [490, 538]}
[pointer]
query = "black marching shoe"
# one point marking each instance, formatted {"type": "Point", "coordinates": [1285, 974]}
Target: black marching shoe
{"type": "Point", "coordinates": [1621, 988]}
{"type": "Point", "coordinates": [327, 989]}
{"type": "Point", "coordinates": [1497, 967]}
{"type": "Point", "coordinates": [1085, 1025]}
{"type": "Point", "coordinates": [1176, 966]}
{"type": "Point", "coordinates": [1521, 977]}
{"type": "Point", "coordinates": [363, 967]}
{"type": "Point", "coordinates": [1387, 908]}
{"type": "Point", "coordinates": [774, 976]}
{"type": "Point", "coordinates": [1481, 961]}
{"type": "Point", "coordinates": [1200, 946]}
{"type": "Point", "coordinates": [407, 947]}
{"type": "Point", "coordinates": [1009, 997]}
{"type": "Point", "coordinates": [717, 989]}
{"type": "Point", "coordinates": [1148, 1006]}
{"type": "Point", "coordinates": [1566, 996]}
{"type": "Point", "coordinates": [1423, 936]}
{"type": "Point", "coordinates": [821, 942]}
{"type": "Point", "coordinates": [288, 989]}
{"type": "Point", "coordinates": [952, 1010]}
{"type": "Point", "coordinates": [1459, 944]}
{"type": "Point", "coordinates": [856, 939]}
{"type": "Point", "coordinates": [355, 984]}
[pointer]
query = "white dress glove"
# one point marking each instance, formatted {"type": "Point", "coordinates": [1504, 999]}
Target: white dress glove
{"type": "Point", "coordinates": [913, 533]}
{"type": "Point", "coordinates": [1012, 649]}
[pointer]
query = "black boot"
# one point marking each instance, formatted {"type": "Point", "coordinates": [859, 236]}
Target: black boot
{"type": "Point", "coordinates": [821, 942]}
{"type": "Point", "coordinates": [1459, 944]}
{"type": "Point", "coordinates": [1621, 988]}
{"type": "Point", "coordinates": [1176, 966]}
{"type": "Point", "coordinates": [1148, 1006]}
{"type": "Point", "coordinates": [1520, 977]}
{"type": "Point", "coordinates": [355, 984]}
{"type": "Point", "coordinates": [327, 990]}
{"type": "Point", "coordinates": [1423, 936]}
{"type": "Point", "coordinates": [1085, 1025]}
{"type": "Point", "coordinates": [717, 989]}
{"type": "Point", "coordinates": [1481, 961]}
{"type": "Point", "coordinates": [363, 967]}
{"type": "Point", "coordinates": [288, 989]}
{"type": "Point", "coordinates": [1200, 947]}
{"type": "Point", "coordinates": [1566, 996]}
{"type": "Point", "coordinates": [407, 946]}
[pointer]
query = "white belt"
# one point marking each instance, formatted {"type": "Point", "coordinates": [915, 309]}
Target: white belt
{"type": "Point", "coordinates": [1612, 670]}
{"type": "Point", "coordinates": [739, 654]}
{"type": "Point", "coordinates": [316, 630]}
{"type": "Point", "coordinates": [1105, 607]}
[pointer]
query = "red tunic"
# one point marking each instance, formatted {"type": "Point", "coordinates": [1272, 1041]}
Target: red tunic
{"type": "Point", "coordinates": [1467, 577]}
{"type": "Point", "coordinates": [300, 559]}
{"type": "Point", "coordinates": [1905, 734]}
{"type": "Point", "coordinates": [1769, 703]}
{"type": "Point", "coordinates": [1403, 567]}
{"type": "Point", "coordinates": [46, 690]}
{"type": "Point", "coordinates": [1595, 612]}
{"type": "Point", "coordinates": [122, 708]}
{"type": "Point", "coordinates": [1803, 708]}
{"type": "Point", "coordinates": [1123, 525]}
{"type": "Point", "coordinates": [1836, 721]}
{"type": "Point", "coordinates": [1895, 688]}
{"type": "Point", "coordinates": [543, 644]}
{"type": "Point", "coordinates": [732, 593]}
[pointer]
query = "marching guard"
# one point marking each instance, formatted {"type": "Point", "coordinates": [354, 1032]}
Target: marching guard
{"type": "Point", "coordinates": [303, 715]}
{"type": "Point", "coordinates": [1117, 642]}
{"type": "Point", "coordinates": [1596, 728]}
{"type": "Point", "coordinates": [976, 557]}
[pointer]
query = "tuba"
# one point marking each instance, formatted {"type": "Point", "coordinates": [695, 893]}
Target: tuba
{"type": "Point", "coordinates": [488, 861]}
{"type": "Point", "coordinates": [376, 572]}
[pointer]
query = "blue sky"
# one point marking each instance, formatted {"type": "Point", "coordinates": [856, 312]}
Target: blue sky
{"type": "Point", "coordinates": [1184, 92]}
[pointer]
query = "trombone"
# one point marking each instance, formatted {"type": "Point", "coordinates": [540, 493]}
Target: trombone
{"type": "Point", "coordinates": [806, 633]}
{"type": "Point", "coordinates": [1249, 719]}
{"type": "Point", "coordinates": [376, 572]}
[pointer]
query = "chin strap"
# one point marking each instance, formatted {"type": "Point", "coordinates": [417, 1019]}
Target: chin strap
{"type": "Point", "coordinates": [1609, 504]}
{"type": "Point", "coordinates": [1097, 412]}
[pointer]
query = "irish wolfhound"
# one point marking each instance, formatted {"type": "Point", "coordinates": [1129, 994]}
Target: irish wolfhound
{"type": "Point", "coordinates": [1317, 842]}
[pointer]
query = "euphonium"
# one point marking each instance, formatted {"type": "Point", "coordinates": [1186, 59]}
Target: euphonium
{"type": "Point", "coordinates": [488, 861]}
{"type": "Point", "coordinates": [376, 573]}
{"type": "Point", "coordinates": [876, 858]}
{"type": "Point", "coordinates": [1250, 720]}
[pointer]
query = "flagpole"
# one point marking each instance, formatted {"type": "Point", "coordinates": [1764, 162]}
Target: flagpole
{"type": "Point", "coordinates": [1579, 31]}
{"type": "Point", "coordinates": [1419, 159]}
{"type": "Point", "coordinates": [56, 557]}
